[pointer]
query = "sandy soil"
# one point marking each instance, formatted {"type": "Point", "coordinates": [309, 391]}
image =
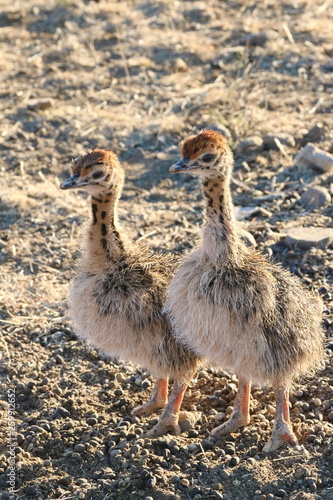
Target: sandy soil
{"type": "Point", "coordinates": [137, 77]}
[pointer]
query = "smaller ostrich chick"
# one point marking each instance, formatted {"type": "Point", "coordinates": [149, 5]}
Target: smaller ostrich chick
{"type": "Point", "coordinates": [119, 291]}
{"type": "Point", "coordinates": [235, 307]}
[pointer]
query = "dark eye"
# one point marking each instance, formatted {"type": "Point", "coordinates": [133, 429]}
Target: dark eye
{"type": "Point", "coordinates": [207, 158]}
{"type": "Point", "coordinates": [98, 174]}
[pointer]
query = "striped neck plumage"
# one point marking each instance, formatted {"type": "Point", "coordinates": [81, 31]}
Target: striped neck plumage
{"type": "Point", "coordinates": [220, 237]}
{"type": "Point", "coordinates": [104, 232]}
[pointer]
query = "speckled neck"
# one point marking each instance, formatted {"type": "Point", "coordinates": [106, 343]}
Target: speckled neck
{"type": "Point", "coordinates": [220, 238]}
{"type": "Point", "coordinates": [104, 231]}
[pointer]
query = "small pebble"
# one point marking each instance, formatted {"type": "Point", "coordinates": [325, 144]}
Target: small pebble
{"type": "Point", "coordinates": [270, 141]}
{"type": "Point", "coordinates": [31, 491]}
{"type": "Point", "coordinates": [234, 461]}
{"type": "Point", "coordinates": [311, 484]}
{"type": "Point", "coordinates": [280, 493]}
{"type": "Point", "coordinates": [315, 197]}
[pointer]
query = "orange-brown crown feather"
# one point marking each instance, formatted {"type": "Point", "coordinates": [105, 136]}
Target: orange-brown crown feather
{"type": "Point", "coordinates": [83, 164]}
{"type": "Point", "coordinates": [206, 140]}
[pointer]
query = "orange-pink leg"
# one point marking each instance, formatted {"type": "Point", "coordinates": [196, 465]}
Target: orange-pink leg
{"type": "Point", "coordinates": [240, 415]}
{"type": "Point", "coordinates": [168, 421]}
{"type": "Point", "coordinates": [282, 428]}
{"type": "Point", "coordinates": [157, 400]}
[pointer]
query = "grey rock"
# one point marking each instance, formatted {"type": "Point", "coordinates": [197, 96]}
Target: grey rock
{"type": "Point", "coordinates": [258, 39]}
{"type": "Point", "coordinates": [270, 141]}
{"type": "Point", "coordinates": [311, 155]}
{"type": "Point", "coordinates": [316, 197]}
{"type": "Point", "coordinates": [327, 494]}
{"type": "Point", "coordinates": [307, 237]}
{"type": "Point", "coordinates": [314, 134]}
{"type": "Point", "coordinates": [250, 143]}
{"type": "Point", "coordinates": [180, 65]}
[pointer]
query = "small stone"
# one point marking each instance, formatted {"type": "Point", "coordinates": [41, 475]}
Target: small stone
{"type": "Point", "coordinates": [258, 39]}
{"type": "Point", "coordinates": [311, 484]}
{"type": "Point", "coordinates": [114, 453]}
{"type": "Point", "coordinates": [307, 237]}
{"type": "Point", "coordinates": [234, 461]}
{"type": "Point", "coordinates": [330, 416]}
{"type": "Point", "coordinates": [311, 155]}
{"type": "Point", "coordinates": [219, 416]}
{"type": "Point", "coordinates": [280, 493]}
{"type": "Point", "coordinates": [271, 141]}
{"type": "Point", "coordinates": [40, 103]}
{"type": "Point", "coordinates": [120, 377]}
{"type": "Point", "coordinates": [62, 412]}
{"type": "Point", "coordinates": [174, 479]}
{"type": "Point", "coordinates": [180, 65]}
{"type": "Point", "coordinates": [92, 421]}
{"type": "Point", "coordinates": [314, 135]}
{"type": "Point", "coordinates": [269, 496]}
{"type": "Point", "coordinates": [250, 143]}
{"type": "Point", "coordinates": [194, 491]}
{"type": "Point", "coordinates": [192, 448]}
{"type": "Point", "coordinates": [20, 439]}
{"type": "Point", "coordinates": [151, 482]}
{"type": "Point", "coordinates": [229, 449]}
{"type": "Point", "coordinates": [317, 402]}
{"type": "Point", "coordinates": [316, 197]}
{"type": "Point", "coordinates": [79, 447]}
{"type": "Point", "coordinates": [311, 438]}
{"type": "Point", "coordinates": [31, 491]}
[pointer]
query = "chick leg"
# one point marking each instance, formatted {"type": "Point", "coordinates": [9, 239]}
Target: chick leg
{"type": "Point", "coordinates": [157, 400]}
{"type": "Point", "coordinates": [240, 415]}
{"type": "Point", "coordinates": [282, 429]}
{"type": "Point", "coordinates": [168, 420]}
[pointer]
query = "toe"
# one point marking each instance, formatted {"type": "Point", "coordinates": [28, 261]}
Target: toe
{"type": "Point", "coordinates": [230, 425]}
{"type": "Point", "coordinates": [278, 439]}
{"type": "Point", "coordinates": [161, 429]}
{"type": "Point", "coordinates": [146, 409]}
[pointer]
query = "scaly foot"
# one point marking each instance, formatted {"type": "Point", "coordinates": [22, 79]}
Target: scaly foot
{"type": "Point", "coordinates": [147, 408]}
{"type": "Point", "coordinates": [162, 427]}
{"type": "Point", "coordinates": [236, 421]}
{"type": "Point", "coordinates": [281, 435]}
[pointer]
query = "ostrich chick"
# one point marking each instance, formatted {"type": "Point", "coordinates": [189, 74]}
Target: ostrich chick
{"type": "Point", "coordinates": [233, 306]}
{"type": "Point", "coordinates": [119, 291]}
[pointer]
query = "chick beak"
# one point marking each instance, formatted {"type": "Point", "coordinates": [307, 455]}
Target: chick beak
{"type": "Point", "coordinates": [180, 166]}
{"type": "Point", "coordinates": [70, 183]}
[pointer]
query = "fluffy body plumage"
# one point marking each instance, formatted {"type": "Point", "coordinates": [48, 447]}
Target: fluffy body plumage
{"type": "Point", "coordinates": [119, 290]}
{"type": "Point", "coordinates": [233, 306]}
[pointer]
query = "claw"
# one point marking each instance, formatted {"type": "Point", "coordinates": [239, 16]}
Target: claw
{"type": "Point", "coordinates": [231, 425]}
{"type": "Point", "coordinates": [162, 428]}
{"type": "Point", "coordinates": [147, 408]}
{"type": "Point", "coordinates": [279, 437]}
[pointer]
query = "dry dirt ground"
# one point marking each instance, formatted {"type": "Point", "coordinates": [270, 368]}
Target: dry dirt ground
{"type": "Point", "coordinates": [137, 76]}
